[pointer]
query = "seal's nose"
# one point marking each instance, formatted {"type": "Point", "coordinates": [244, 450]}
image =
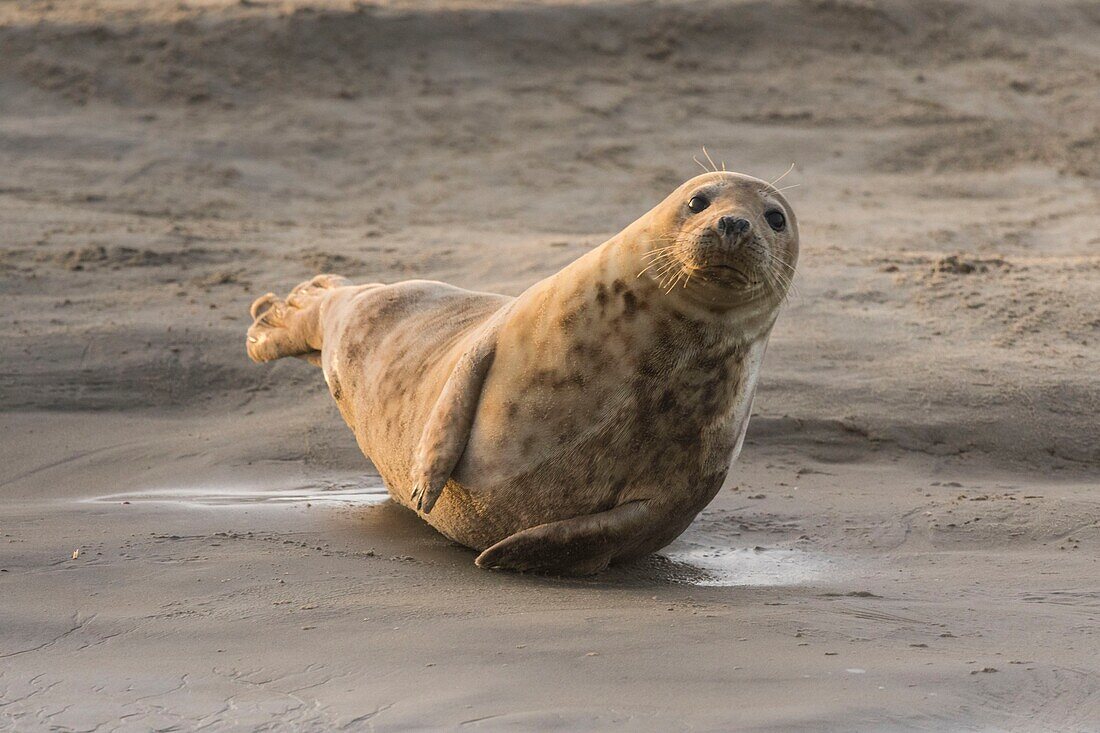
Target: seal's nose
{"type": "Point", "coordinates": [733, 227]}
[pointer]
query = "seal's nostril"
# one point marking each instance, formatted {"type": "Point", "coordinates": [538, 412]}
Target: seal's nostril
{"type": "Point", "coordinates": [731, 225]}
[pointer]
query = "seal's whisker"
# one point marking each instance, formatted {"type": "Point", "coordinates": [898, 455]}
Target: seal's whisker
{"type": "Point", "coordinates": [666, 239]}
{"type": "Point", "coordinates": [658, 249]}
{"type": "Point", "coordinates": [690, 272]}
{"type": "Point", "coordinates": [658, 255]}
{"type": "Point", "coordinates": [791, 290]}
{"type": "Point", "coordinates": [777, 180]}
{"type": "Point", "coordinates": [666, 278]}
{"type": "Point", "coordinates": [700, 164]}
{"type": "Point", "coordinates": [670, 257]}
{"type": "Point", "coordinates": [774, 277]}
{"type": "Point", "coordinates": [788, 188]}
{"type": "Point", "coordinates": [655, 263]}
{"type": "Point", "coordinates": [676, 278]}
{"type": "Point", "coordinates": [780, 260]}
{"type": "Point", "coordinates": [665, 272]}
{"type": "Point", "coordinates": [658, 261]}
{"type": "Point", "coordinates": [712, 165]}
{"type": "Point", "coordinates": [774, 258]}
{"type": "Point", "coordinates": [666, 267]}
{"type": "Point", "coordinates": [662, 242]}
{"type": "Point", "coordinates": [777, 282]}
{"type": "Point", "coordinates": [764, 272]}
{"type": "Point", "coordinates": [787, 272]}
{"type": "Point", "coordinates": [770, 256]}
{"type": "Point", "coordinates": [779, 277]}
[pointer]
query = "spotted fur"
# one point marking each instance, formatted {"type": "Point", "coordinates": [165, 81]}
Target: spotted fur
{"type": "Point", "coordinates": [588, 420]}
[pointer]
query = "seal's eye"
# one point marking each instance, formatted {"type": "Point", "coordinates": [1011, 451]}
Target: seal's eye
{"type": "Point", "coordinates": [698, 203]}
{"type": "Point", "coordinates": [776, 220]}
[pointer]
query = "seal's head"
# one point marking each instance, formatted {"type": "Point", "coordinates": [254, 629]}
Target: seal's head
{"type": "Point", "coordinates": [722, 238]}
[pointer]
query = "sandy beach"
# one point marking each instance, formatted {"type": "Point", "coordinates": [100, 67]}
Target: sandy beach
{"type": "Point", "coordinates": [910, 540]}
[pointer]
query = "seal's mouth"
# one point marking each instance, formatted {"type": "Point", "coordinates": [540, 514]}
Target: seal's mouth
{"type": "Point", "coordinates": [726, 272]}
{"type": "Point", "coordinates": [742, 264]}
{"type": "Point", "coordinates": [739, 262]}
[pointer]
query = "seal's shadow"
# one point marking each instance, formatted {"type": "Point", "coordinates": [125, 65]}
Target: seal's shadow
{"type": "Point", "coordinates": [394, 530]}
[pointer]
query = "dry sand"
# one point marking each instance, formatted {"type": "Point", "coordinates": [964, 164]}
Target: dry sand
{"type": "Point", "coordinates": [910, 540]}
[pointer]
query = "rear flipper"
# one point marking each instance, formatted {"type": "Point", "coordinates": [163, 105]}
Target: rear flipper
{"type": "Point", "coordinates": [291, 327]}
{"type": "Point", "coordinates": [578, 546]}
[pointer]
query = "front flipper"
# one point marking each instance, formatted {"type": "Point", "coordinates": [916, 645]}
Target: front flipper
{"type": "Point", "coordinates": [579, 546]}
{"type": "Point", "coordinates": [448, 427]}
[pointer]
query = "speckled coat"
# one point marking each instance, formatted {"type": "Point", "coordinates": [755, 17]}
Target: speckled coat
{"type": "Point", "coordinates": [594, 394]}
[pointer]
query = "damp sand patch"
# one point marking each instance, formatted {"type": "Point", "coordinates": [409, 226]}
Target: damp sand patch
{"type": "Point", "coordinates": [222, 495]}
{"type": "Point", "coordinates": [730, 566]}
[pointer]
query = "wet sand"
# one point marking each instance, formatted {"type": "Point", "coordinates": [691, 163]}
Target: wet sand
{"type": "Point", "coordinates": [910, 540]}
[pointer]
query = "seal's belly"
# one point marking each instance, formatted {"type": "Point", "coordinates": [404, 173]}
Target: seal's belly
{"type": "Point", "coordinates": [388, 360]}
{"type": "Point", "coordinates": [562, 446]}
